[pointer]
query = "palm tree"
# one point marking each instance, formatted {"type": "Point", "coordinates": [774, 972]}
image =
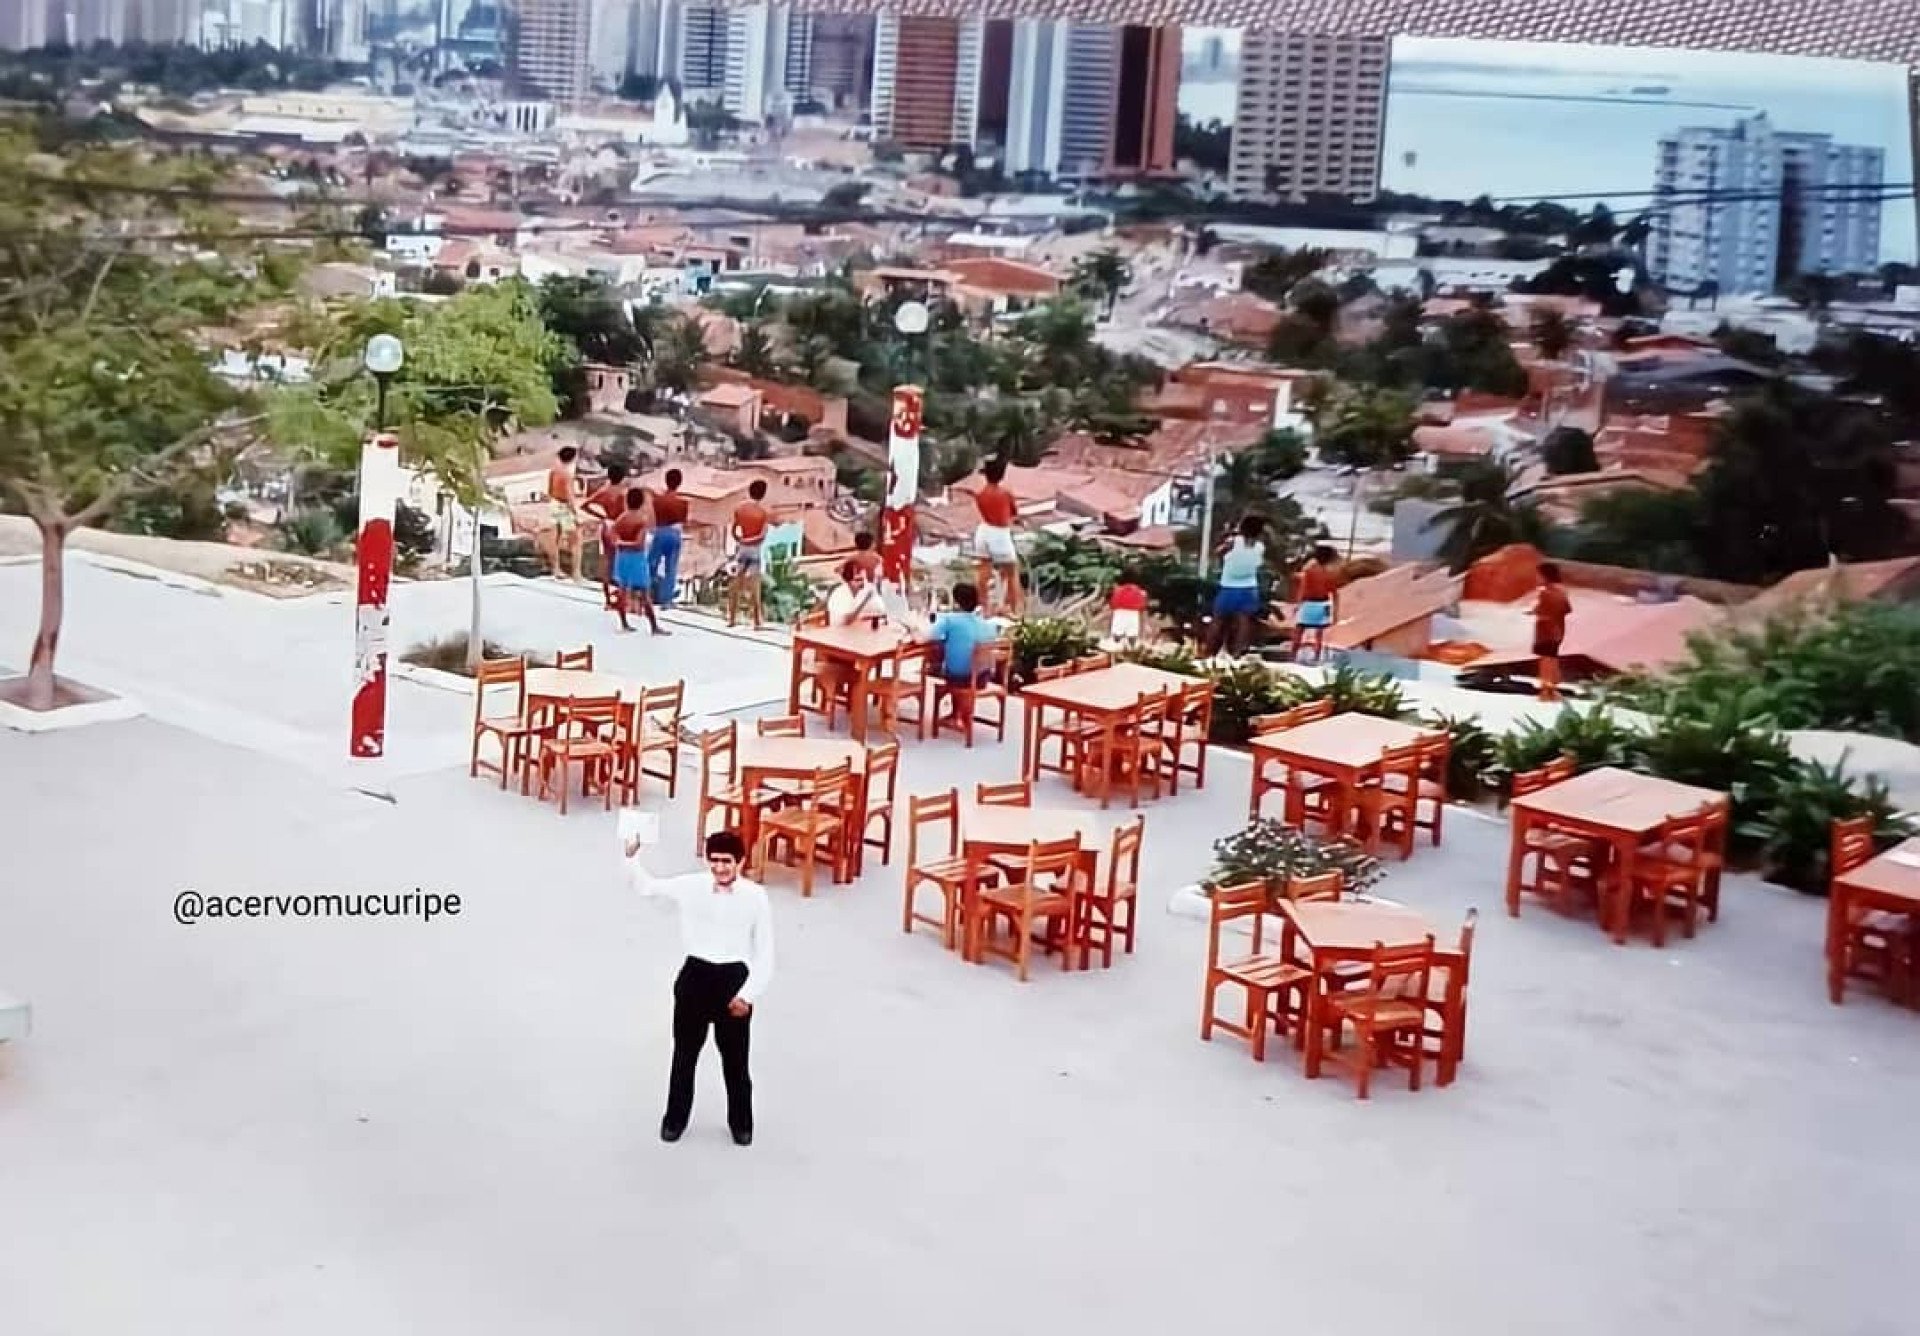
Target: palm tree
{"type": "Point", "coordinates": [1486, 517]}
{"type": "Point", "coordinates": [755, 354]}
{"type": "Point", "coordinates": [678, 353]}
{"type": "Point", "coordinates": [1102, 275]}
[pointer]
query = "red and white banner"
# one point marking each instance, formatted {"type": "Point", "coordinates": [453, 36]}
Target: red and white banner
{"type": "Point", "coordinates": [380, 489]}
{"type": "Point", "coordinates": [903, 487]}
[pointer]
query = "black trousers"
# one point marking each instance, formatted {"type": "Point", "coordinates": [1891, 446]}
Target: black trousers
{"type": "Point", "coordinates": [700, 997]}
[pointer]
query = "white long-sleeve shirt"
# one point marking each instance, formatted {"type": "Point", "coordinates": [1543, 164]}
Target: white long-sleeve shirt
{"type": "Point", "coordinates": [726, 927]}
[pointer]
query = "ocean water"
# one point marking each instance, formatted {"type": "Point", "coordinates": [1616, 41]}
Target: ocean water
{"type": "Point", "coordinates": [1456, 129]}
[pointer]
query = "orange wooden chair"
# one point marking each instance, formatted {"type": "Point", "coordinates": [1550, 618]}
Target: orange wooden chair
{"type": "Point", "coordinates": [1049, 726]}
{"type": "Point", "coordinates": [1672, 872]}
{"type": "Point", "coordinates": [1274, 988]}
{"type": "Point", "coordinates": [514, 732]}
{"type": "Point", "coordinates": [1138, 755]}
{"type": "Point", "coordinates": [1430, 794]}
{"type": "Point", "coordinates": [661, 716]}
{"type": "Point", "coordinates": [1329, 886]}
{"type": "Point", "coordinates": [1309, 797]}
{"type": "Point", "coordinates": [1018, 793]}
{"type": "Point", "coordinates": [900, 682]}
{"type": "Point", "coordinates": [992, 662]}
{"type": "Point", "coordinates": [1048, 672]}
{"type": "Point", "coordinates": [1565, 865]}
{"type": "Point", "coordinates": [883, 784]}
{"type": "Point", "coordinates": [1443, 1037]}
{"type": "Point", "coordinates": [1874, 945]}
{"type": "Point", "coordinates": [814, 827]}
{"type": "Point", "coordinates": [1310, 713]}
{"type": "Point", "coordinates": [589, 733]}
{"type": "Point", "coordinates": [1046, 896]}
{"type": "Point", "coordinates": [580, 659]}
{"type": "Point", "coordinates": [814, 693]}
{"type": "Point", "coordinates": [1093, 663]}
{"type": "Point", "coordinates": [1184, 730]}
{"type": "Point", "coordinates": [945, 872]}
{"type": "Point", "coordinates": [1109, 908]}
{"type": "Point", "coordinates": [782, 726]}
{"type": "Point", "coordinates": [1384, 809]}
{"type": "Point", "coordinates": [720, 790]}
{"type": "Point", "coordinates": [1388, 1014]}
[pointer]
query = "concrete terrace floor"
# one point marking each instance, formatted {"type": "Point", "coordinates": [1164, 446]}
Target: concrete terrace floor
{"type": "Point", "coordinates": [392, 1127]}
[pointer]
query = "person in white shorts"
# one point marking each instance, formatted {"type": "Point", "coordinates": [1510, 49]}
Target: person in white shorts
{"type": "Point", "coordinates": [993, 540]}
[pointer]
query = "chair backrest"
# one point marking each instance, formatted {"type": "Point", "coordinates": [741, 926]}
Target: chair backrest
{"type": "Point", "coordinates": [1532, 781]}
{"type": "Point", "coordinates": [1849, 844]}
{"type": "Point", "coordinates": [500, 673]}
{"type": "Point", "coordinates": [1048, 672]}
{"type": "Point", "coordinates": [1248, 899]}
{"type": "Point", "coordinates": [1402, 971]}
{"type": "Point", "coordinates": [1196, 706]}
{"type": "Point", "coordinates": [1088, 663]}
{"type": "Point", "coordinates": [1059, 859]}
{"type": "Point", "coordinates": [1123, 857]}
{"type": "Point", "coordinates": [1467, 928]}
{"type": "Point", "coordinates": [722, 743]}
{"type": "Point", "coordinates": [883, 772]}
{"type": "Point", "coordinates": [1435, 749]}
{"type": "Point", "coordinates": [593, 714]}
{"type": "Point", "coordinates": [1148, 705]}
{"type": "Point", "coordinates": [995, 659]}
{"type": "Point", "coordinates": [925, 811]}
{"type": "Point", "coordinates": [1019, 793]}
{"type": "Point", "coordinates": [1311, 712]}
{"type": "Point", "coordinates": [1270, 723]}
{"type": "Point", "coordinates": [830, 784]}
{"type": "Point", "coordinates": [1686, 835]}
{"type": "Point", "coordinates": [1328, 885]}
{"type": "Point", "coordinates": [812, 617]}
{"type": "Point", "coordinates": [782, 726]}
{"type": "Point", "coordinates": [574, 658]}
{"type": "Point", "coordinates": [1560, 769]}
{"type": "Point", "coordinates": [661, 709]}
{"type": "Point", "coordinates": [1405, 762]}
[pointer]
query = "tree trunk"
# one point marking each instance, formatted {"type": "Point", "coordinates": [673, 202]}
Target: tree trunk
{"type": "Point", "coordinates": [475, 644]}
{"type": "Point", "coordinates": [53, 599]}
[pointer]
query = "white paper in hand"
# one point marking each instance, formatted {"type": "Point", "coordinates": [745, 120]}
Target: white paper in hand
{"type": "Point", "coordinates": [636, 824]}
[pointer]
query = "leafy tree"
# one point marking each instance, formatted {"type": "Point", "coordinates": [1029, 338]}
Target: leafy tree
{"type": "Point", "coordinates": [1281, 455]}
{"type": "Point", "coordinates": [638, 88]}
{"type": "Point", "coordinates": [1209, 144]}
{"type": "Point", "coordinates": [1273, 276]}
{"type": "Point", "coordinates": [1642, 528]}
{"type": "Point", "coordinates": [1365, 428]}
{"type": "Point", "coordinates": [1569, 450]}
{"type": "Point", "coordinates": [678, 353]}
{"type": "Point", "coordinates": [1474, 355]}
{"type": "Point", "coordinates": [592, 317]}
{"type": "Point", "coordinates": [106, 391]}
{"type": "Point", "coordinates": [1101, 276]}
{"type": "Point", "coordinates": [1486, 518]}
{"type": "Point", "coordinates": [477, 366]}
{"type": "Point", "coordinates": [754, 354]}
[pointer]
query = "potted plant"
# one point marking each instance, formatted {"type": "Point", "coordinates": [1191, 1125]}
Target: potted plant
{"type": "Point", "coordinates": [1270, 851]}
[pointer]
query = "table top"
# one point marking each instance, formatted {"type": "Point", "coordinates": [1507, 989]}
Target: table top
{"type": "Point", "coordinates": [800, 756]}
{"type": "Point", "coordinates": [1622, 800]}
{"type": "Point", "coordinates": [1107, 690]}
{"type": "Point", "coordinates": [861, 640]}
{"type": "Point", "coordinates": [1894, 874]}
{"type": "Point", "coordinates": [1017, 827]}
{"type": "Point", "coordinates": [1353, 740]}
{"type": "Point", "coordinates": [1356, 926]}
{"type": "Point", "coordinates": [567, 683]}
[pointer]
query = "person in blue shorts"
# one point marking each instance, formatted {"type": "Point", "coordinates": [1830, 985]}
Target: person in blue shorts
{"type": "Point", "coordinates": [1238, 602]}
{"type": "Point", "coordinates": [959, 633]}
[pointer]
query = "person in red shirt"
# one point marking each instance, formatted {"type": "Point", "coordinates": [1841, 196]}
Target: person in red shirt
{"type": "Point", "coordinates": [631, 570]}
{"type": "Point", "coordinates": [1129, 606]}
{"type": "Point", "coordinates": [993, 539]}
{"type": "Point", "coordinates": [1317, 592]}
{"type": "Point", "coordinates": [1550, 611]}
{"type": "Point", "coordinates": [606, 504]}
{"type": "Point", "coordinates": [663, 552]}
{"type": "Point", "coordinates": [562, 492]}
{"type": "Point", "coordinates": [749, 535]}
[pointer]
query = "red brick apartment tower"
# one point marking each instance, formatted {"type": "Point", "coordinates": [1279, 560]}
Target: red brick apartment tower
{"type": "Point", "coordinates": [926, 80]}
{"type": "Point", "coordinates": [1146, 101]}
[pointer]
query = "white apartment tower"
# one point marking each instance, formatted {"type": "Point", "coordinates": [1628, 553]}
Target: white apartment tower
{"type": "Point", "coordinates": [550, 49]}
{"type": "Point", "coordinates": [1309, 117]}
{"type": "Point", "coordinates": [1060, 98]}
{"type": "Point", "coordinates": [769, 60]}
{"type": "Point", "coordinates": [1742, 208]}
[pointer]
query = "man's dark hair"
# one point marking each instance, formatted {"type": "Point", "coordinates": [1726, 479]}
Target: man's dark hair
{"type": "Point", "coordinates": [673, 479]}
{"type": "Point", "coordinates": [849, 569]}
{"type": "Point", "coordinates": [616, 473]}
{"type": "Point", "coordinates": [1252, 526]}
{"type": "Point", "coordinates": [567, 453]}
{"type": "Point", "coordinates": [995, 469]}
{"type": "Point", "coordinates": [636, 497]}
{"type": "Point", "coordinates": [757, 488]}
{"type": "Point", "coordinates": [1325, 555]}
{"type": "Point", "coordinates": [726, 844]}
{"type": "Point", "coordinates": [966, 597]}
{"type": "Point", "coordinates": [863, 541]}
{"type": "Point", "coordinates": [1550, 572]}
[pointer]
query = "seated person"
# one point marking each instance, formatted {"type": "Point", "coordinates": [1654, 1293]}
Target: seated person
{"type": "Point", "coordinates": [959, 633]}
{"type": "Point", "coordinates": [853, 601]}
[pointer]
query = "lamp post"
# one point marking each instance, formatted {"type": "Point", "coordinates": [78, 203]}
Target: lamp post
{"type": "Point", "coordinates": [380, 485]}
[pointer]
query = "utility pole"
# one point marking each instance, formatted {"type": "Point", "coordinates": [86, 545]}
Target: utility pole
{"type": "Point", "coordinates": [1206, 503]}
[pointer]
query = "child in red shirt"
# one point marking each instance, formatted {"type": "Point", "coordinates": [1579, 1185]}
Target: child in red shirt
{"type": "Point", "coordinates": [1128, 605]}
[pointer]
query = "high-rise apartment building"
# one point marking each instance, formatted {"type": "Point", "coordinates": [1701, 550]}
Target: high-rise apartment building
{"type": "Point", "coordinates": [769, 60]}
{"type": "Point", "coordinates": [843, 58]}
{"type": "Point", "coordinates": [1146, 101]}
{"type": "Point", "coordinates": [702, 56]}
{"type": "Point", "coordinates": [1745, 207]}
{"type": "Point", "coordinates": [926, 81]}
{"type": "Point", "coordinates": [550, 42]}
{"type": "Point", "coordinates": [1091, 100]}
{"type": "Point", "coordinates": [1309, 116]}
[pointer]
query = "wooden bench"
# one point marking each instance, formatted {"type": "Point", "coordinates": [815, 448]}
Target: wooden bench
{"type": "Point", "coordinates": [16, 1018]}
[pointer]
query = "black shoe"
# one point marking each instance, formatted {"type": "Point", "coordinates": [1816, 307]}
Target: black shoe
{"type": "Point", "coordinates": [671, 1131]}
{"type": "Point", "coordinates": [743, 1138]}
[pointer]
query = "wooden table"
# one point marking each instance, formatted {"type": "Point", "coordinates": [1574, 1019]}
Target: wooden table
{"type": "Point", "coordinates": [1343, 932]}
{"type": "Point", "coordinates": [1619, 808]}
{"type": "Point", "coordinates": [557, 685]}
{"type": "Point", "coordinates": [1344, 748]}
{"type": "Point", "coordinates": [990, 829]}
{"type": "Point", "coordinates": [859, 649]}
{"type": "Point", "coordinates": [766, 759]}
{"type": "Point", "coordinates": [1102, 697]}
{"type": "Point", "coordinates": [1889, 883]}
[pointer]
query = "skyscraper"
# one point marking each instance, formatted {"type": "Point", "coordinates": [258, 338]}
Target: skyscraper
{"type": "Point", "coordinates": [550, 49]}
{"type": "Point", "coordinates": [1745, 207]}
{"type": "Point", "coordinates": [926, 81]}
{"type": "Point", "coordinates": [843, 57]}
{"type": "Point", "coordinates": [702, 41]}
{"type": "Point", "coordinates": [1309, 115]}
{"type": "Point", "coordinates": [768, 62]}
{"type": "Point", "coordinates": [1090, 100]}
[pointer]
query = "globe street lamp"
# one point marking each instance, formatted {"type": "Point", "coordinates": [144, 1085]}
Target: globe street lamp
{"type": "Point", "coordinates": [383, 357]}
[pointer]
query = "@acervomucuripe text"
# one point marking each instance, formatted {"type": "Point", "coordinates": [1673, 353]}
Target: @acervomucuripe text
{"type": "Point", "coordinates": [193, 906]}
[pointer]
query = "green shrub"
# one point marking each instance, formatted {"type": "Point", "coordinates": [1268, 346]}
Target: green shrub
{"type": "Point", "coordinates": [1791, 832]}
{"type": "Point", "coordinates": [1594, 738]}
{"type": "Point", "coordinates": [1270, 851]}
{"type": "Point", "coordinates": [1355, 692]}
{"type": "Point", "coordinates": [1045, 640]}
{"type": "Point", "coordinates": [1470, 756]}
{"type": "Point", "coordinates": [312, 533]}
{"type": "Point", "coordinates": [1726, 747]}
{"type": "Point", "coordinates": [1245, 690]}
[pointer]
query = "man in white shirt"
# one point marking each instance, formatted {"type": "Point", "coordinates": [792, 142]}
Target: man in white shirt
{"type": "Point", "coordinates": [726, 925]}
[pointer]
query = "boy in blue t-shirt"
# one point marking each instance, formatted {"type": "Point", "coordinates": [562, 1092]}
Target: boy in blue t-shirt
{"type": "Point", "coordinates": [958, 633]}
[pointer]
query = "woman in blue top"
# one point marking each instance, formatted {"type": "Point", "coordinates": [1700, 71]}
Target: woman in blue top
{"type": "Point", "coordinates": [1238, 602]}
